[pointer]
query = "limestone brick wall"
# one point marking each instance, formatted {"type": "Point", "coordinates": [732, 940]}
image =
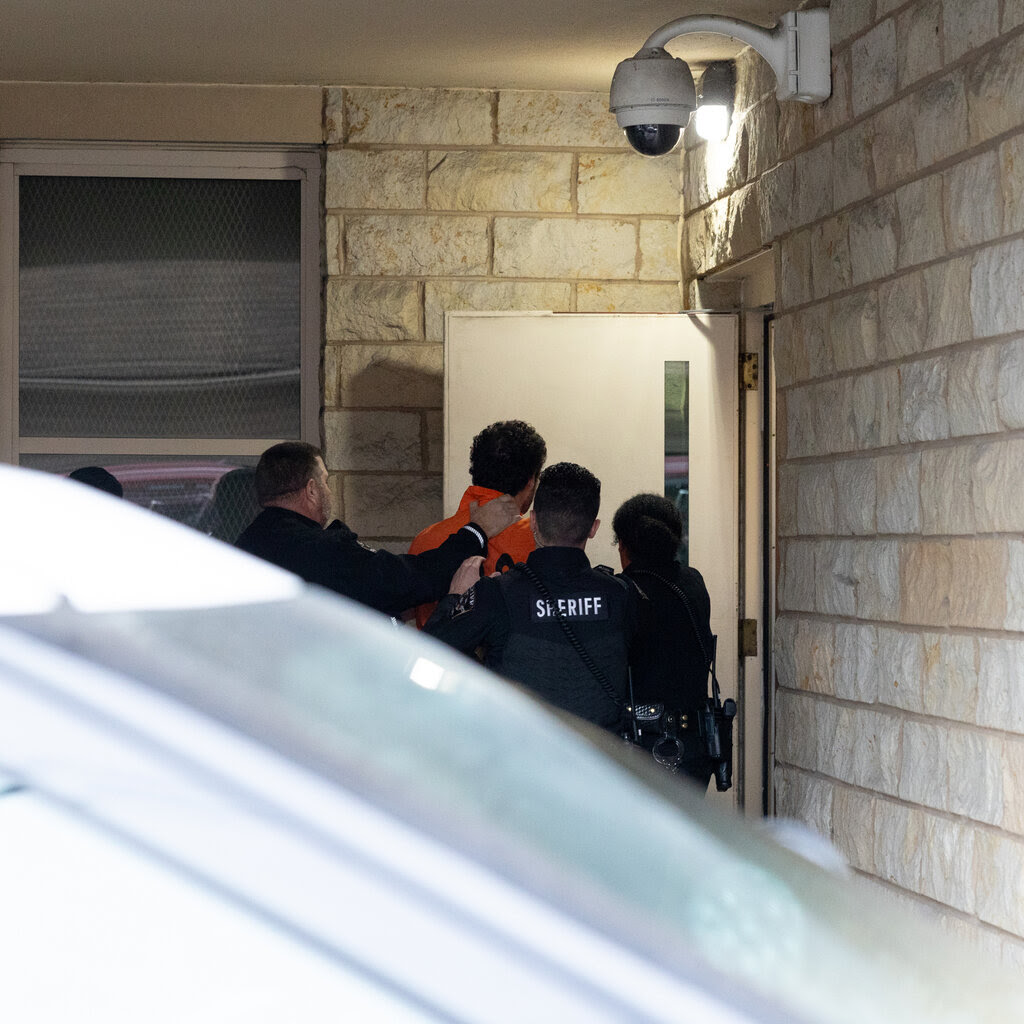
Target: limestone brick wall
{"type": "Point", "coordinates": [465, 199]}
{"type": "Point", "coordinates": [896, 213]}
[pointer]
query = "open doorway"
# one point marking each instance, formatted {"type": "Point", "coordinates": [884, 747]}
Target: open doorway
{"type": "Point", "coordinates": [648, 402]}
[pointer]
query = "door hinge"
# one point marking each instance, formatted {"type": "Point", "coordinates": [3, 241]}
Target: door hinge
{"type": "Point", "coordinates": [748, 638]}
{"type": "Point", "coordinates": [748, 371]}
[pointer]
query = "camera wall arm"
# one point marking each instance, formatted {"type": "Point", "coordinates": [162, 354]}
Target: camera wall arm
{"type": "Point", "coordinates": [797, 48]}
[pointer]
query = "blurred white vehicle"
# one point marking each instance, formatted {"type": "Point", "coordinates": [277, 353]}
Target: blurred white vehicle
{"type": "Point", "coordinates": [227, 796]}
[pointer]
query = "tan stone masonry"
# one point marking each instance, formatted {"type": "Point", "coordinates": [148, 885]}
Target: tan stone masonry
{"type": "Point", "coordinates": [444, 200]}
{"type": "Point", "coordinates": [895, 213]}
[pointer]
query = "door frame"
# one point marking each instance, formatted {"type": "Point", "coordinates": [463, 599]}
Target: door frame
{"type": "Point", "coordinates": [749, 288]}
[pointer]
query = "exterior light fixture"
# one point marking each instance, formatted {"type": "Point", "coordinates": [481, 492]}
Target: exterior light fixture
{"type": "Point", "coordinates": [652, 94]}
{"type": "Point", "coordinates": [715, 96]}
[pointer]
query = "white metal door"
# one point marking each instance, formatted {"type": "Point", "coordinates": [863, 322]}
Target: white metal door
{"type": "Point", "coordinates": [594, 386]}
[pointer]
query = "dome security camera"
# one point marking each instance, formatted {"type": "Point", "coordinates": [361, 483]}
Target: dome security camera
{"type": "Point", "coordinates": [652, 96]}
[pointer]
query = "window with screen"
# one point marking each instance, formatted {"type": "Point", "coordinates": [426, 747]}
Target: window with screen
{"type": "Point", "coordinates": [164, 317]}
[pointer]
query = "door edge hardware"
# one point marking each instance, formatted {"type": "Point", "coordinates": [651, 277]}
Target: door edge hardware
{"type": "Point", "coordinates": [748, 638]}
{"type": "Point", "coordinates": [748, 371]}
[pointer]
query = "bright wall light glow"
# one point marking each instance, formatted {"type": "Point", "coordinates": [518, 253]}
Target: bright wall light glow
{"type": "Point", "coordinates": [714, 100]}
{"type": "Point", "coordinates": [712, 122]}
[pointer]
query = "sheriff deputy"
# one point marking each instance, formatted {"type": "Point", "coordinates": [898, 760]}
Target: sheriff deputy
{"type": "Point", "coordinates": [519, 618]}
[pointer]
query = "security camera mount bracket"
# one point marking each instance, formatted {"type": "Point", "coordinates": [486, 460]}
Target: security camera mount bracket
{"type": "Point", "coordinates": [797, 48]}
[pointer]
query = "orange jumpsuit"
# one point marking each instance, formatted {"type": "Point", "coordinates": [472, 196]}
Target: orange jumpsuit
{"type": "Point", "coordinates": [516, 540]}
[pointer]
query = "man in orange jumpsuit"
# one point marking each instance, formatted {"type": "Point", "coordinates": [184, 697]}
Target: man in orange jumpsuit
{"type": "Point", "coordinates": [505, 458]}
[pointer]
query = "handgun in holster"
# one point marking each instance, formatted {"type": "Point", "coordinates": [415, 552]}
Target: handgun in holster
{"type": "Point", "coordinates": [714, 722]}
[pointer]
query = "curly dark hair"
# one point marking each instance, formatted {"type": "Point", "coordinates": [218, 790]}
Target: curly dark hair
{"type": "Point", "coordinates": [505, 455]}
{"type": "Point", "coordinates": [566, 505]}
{"type": "Point", "coordinates": [648, 526]}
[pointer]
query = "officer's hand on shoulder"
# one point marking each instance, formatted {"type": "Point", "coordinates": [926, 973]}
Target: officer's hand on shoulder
{"type": "Point", "coordinates": [497, 515]}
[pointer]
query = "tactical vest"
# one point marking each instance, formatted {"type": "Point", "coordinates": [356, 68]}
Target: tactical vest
{"type": "Point", "coordinates": [540, 656]}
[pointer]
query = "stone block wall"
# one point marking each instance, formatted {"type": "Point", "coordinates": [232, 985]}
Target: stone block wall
{"type": "Point", "coordinates": [895, 211]}
{"type": "Point", "coordinates": [462, 199]}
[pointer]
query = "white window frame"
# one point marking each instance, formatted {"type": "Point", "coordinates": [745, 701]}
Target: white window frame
{"type": "Point", "coordinates": [293, 163]}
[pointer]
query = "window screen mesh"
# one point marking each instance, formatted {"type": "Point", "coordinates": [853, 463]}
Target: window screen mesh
{"type": "Point", "coordinates": [159, 307]}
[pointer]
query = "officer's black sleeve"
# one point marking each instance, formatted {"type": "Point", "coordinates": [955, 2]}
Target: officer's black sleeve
{"type": "Point", "coordinates": [467, 621]}
{"type": "Point", "coordinates": [392, 583]}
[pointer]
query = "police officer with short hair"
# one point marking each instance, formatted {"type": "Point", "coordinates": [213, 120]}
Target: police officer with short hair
{"type": "Point", "coordinates": [292, 532]}
{"type": "Point", "coordinates": [519, 618]}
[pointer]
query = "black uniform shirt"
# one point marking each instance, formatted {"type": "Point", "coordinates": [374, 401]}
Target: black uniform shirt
{"type": "Point", "coordinates": [671, 657]}
{"type": "Point", "coordinates": [522, 639]}
{"type": "Point", "coordinates": [335, 559]}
